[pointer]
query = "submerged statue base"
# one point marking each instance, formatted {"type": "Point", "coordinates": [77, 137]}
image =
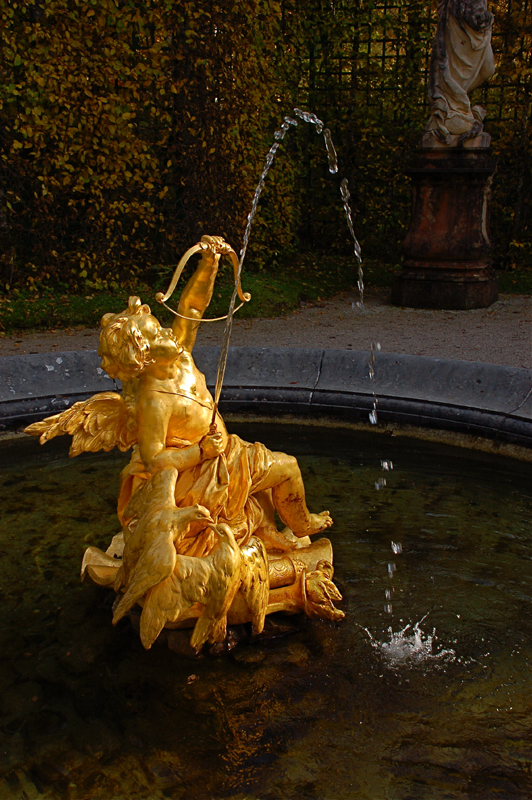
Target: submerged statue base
{"type": "Point", "coordinates": [199, 546]}
{"type": "Point", "coordinates": [258, 583]}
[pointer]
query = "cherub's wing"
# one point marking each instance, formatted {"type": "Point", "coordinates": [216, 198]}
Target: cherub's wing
{"type": "Point", "coordinates": [102, 422]}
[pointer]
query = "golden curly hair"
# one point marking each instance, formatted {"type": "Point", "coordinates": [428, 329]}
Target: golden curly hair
{"type": "Point", "coordinates": [123, 348]}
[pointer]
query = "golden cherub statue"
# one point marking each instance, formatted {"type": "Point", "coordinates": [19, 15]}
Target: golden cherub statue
{"type": "Point", "coordinates": [199, 545]}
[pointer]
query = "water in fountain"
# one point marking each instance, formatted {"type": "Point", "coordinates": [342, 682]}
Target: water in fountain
{"type": "Point", "coordinates": [409, 708]}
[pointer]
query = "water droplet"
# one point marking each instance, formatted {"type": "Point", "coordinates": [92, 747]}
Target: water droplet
{"type": "Point", "coordinates": [346, 196]}
{"type": "Point", "coordinates": [387, 465]}
{"type": "Point", "coordinates": [310, 117]}
{"type": "Point", "coordinates": [371, 370]}
{"type": "Point", "coordinates": [344, 190]}
{"type": "Point", "coordinates": [397, 548]}
{"type": "Point", "coordinates": [391, 569]}
{"type": "Point", "coordinates": [371, 367]}
{"type": "Point", "coordinates": [331, 152]}
{"type": "Point", "coordinates": [380, 483]}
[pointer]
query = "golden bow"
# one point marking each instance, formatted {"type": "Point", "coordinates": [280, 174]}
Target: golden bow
{"type": "Point", "coordinates": [218, 247]}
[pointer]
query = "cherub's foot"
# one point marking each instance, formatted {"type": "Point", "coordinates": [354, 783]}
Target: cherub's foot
{"type": "Point", "coordinates": [277, 540]}
{"type": "Point", "coordinates": [296, 542]}
{"type": "Point", "coordinates": [318, 523]}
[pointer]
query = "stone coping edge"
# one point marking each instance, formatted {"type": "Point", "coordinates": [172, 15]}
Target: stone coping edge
{"type": "Point", "coordinates": [485, 400]}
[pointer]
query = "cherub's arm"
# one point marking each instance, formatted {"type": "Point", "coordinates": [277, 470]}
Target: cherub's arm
{"type": "Point", "coordinates": [153, 418]}
{"type": "Point", "coordinates": [195, 298]}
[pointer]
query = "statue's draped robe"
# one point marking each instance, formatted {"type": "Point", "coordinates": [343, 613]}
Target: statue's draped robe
{"type": "Point", "coordinates": [224, 485]}
{"type": "Point", "coordinates": [461, 60]}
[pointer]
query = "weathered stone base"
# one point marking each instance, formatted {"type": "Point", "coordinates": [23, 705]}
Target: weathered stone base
{"type": "Point", "coordinates": [445, 289]}
{"type": "Point", "coordinates": [447, 245]}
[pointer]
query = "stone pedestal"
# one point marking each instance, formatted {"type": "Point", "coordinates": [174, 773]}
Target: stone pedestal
{"type": "Point", "coordinates": [446, 248]}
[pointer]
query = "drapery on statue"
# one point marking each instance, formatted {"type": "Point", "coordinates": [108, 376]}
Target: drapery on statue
{"type": "Point", "coordinates": [199, 545]}
{"type": "Point", "coordinates": [461, 60]}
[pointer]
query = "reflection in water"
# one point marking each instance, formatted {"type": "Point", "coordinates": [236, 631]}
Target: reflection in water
{"type": "Point", "coordinates": [387, 705]}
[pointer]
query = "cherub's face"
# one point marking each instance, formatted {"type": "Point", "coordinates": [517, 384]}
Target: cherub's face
{"type": "Point", "coordinates": [164, 347]}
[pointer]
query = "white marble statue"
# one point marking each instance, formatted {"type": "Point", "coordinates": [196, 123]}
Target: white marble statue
{"type": "Point", "coordinates": [461, 60]}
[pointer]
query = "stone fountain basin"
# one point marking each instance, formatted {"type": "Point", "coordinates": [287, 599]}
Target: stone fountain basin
{"type": "Point", "coordinates": [475, 402]}
{"type": "Point", "coordinates": [336, 711]}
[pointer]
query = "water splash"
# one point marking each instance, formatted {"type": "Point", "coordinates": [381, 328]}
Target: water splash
{"type": "Point", "coordinates": [411, 646]}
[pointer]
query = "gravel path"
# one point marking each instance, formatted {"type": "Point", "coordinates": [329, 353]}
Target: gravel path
{"type": "Point", "coordinates": [501, 334]}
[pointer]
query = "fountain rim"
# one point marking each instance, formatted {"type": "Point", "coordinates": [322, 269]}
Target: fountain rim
{"type": "Point", "coordinates": [473, 404]}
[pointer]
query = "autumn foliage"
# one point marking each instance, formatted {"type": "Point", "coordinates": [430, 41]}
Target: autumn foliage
{"type": "Point", "coordinates": [128, 129]}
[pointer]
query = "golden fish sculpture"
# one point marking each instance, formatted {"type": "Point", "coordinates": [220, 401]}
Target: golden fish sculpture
{"type": "Point", "coordinates": [199, 545]}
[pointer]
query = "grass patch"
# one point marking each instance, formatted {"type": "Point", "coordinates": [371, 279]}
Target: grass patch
{"type": "Point", "coordinates": [515, 281]}
{"type": "Point", "coordinates": [309, 278]}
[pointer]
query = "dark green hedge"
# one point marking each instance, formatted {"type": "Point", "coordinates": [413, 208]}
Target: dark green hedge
{"type": "Point", "coordinates": [128, 129]}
